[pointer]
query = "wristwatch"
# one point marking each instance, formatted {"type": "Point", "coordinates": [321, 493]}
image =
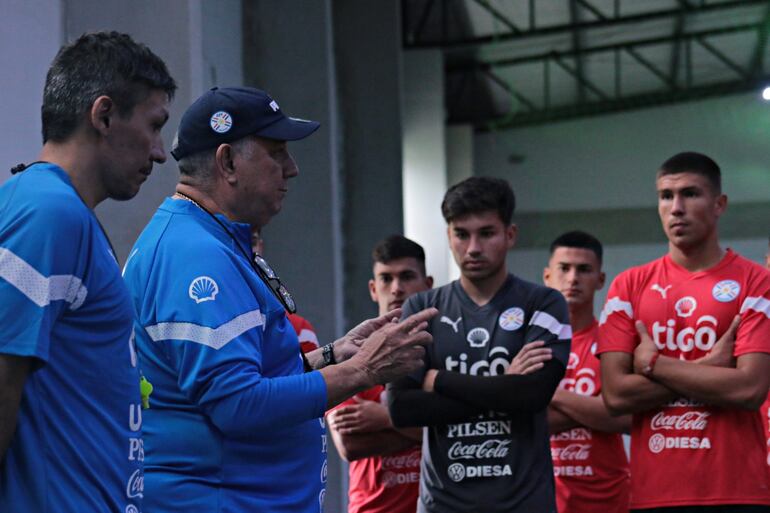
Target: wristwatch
{"type": "Point", "coordinates": [647, 370]}
{"type": "Point", "coordinates": [328, 354]}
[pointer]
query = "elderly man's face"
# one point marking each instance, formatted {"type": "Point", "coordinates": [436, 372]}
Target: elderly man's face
{"type": "Point", "coordinates": [265, 168]}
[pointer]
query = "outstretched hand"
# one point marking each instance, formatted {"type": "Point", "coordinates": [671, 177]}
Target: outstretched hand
{"type": "Point", "coordinates": [349, 344]}
{"type": "Point", "coordinates": [395, 348]}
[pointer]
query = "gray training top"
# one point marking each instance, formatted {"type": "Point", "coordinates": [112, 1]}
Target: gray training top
{"type": "Point", "coordinates": [486, 447]}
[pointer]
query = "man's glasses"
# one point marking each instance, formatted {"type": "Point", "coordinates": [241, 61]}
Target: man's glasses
{"type": "Point", "coordinates": [276, 285]}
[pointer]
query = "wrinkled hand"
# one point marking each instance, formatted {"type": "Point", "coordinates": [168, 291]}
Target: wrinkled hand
{"type": "Point", "coordinates": [531, 358]}
{"type": "Point", "coordinates": [721, 355]}
{"type": "Point", "coordinates": [348, 345]}
{"type": "Point", "coordinates": [645, 350]}
{"type": "Point", "coordinates": [395, 349]}
{"type": "Point", "coordinates": [362, 417]}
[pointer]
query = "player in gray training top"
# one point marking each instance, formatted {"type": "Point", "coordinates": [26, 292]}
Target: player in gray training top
{"type": "Point", "coordinates": [487, 442]}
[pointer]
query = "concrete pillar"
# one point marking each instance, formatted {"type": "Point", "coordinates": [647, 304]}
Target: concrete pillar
{"type": "Point", "coordinates": [367, 40]}
{"type": "Point", "coordinates": [288, 51]}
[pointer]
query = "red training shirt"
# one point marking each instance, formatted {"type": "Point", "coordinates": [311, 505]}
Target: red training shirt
{"type": "Point", "coordinates": [384, 484]}
{"type": "Point", "coordinates": [686, 452]}
{"type": "Point", "coordinates": [590, 467]}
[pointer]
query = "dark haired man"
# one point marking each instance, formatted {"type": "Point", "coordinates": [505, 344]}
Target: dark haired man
{"type": "Point", "coordinates": [384, 461]}
{"type": "Point", "coordinates": [590, 464]}
{"type": "Point", "coordinates": [695, 384]}
{"type": "Point", "coordinates": [234, 423]}
{"type": "Point", "coordinates": [67, 364]}
{"type": "Point", "coordinates": [486, 446]}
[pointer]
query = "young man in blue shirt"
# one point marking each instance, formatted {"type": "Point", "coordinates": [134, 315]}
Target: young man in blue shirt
{"type": "Point", "coordinates": [70, 408]}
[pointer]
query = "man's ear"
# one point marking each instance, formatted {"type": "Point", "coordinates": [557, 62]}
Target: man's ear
{"type": "Point", "coordinates": [101, 114]}
{"type": "Point", "coordinates": [511, 233]}
{"type": "Point", "coordinates": [224, 163]}
{"type": "Point", "coordinates": [602, 278]}
{"type": "Point", "coordinates": [373, 291]}
{"type": "Point", "coordinates": [546, 275]}
{"type": "Point", "coordinates": [429, 281]}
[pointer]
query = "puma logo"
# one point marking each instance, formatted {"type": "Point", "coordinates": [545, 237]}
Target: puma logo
{"type": "Point", "coordinates": [662, 290]}
{"type": "Point", "coordinates": [454, 324]}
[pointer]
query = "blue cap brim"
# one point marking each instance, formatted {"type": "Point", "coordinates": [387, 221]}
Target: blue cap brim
{"type": "Point", "coordinates": [289, 129]}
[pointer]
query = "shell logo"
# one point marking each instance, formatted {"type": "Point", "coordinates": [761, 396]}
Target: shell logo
{"type": "Point", "coordinates": [203, 289]}
{"type": "Point", "coordinates": [685, 306]}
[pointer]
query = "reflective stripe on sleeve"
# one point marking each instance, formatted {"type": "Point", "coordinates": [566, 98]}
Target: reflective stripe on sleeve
{"type": "Point", "coordinates": [615, 305]}
{"type": "Point", "coordinates": [39, 289]}
{"type": "Point", "coordinates": [549, 322]}
{"type": "Point", "coordinates": [216, 338]}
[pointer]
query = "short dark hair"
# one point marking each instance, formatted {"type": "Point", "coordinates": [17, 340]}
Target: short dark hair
{"type": "Point", "coordinates": [96, 64]}
{"type": "Point", "coordinates": [578, 239]}
{"type": "Point", "coordinates": [394, 247]}
{"type": "Point", "coordinates": [693, 162]}
{"type": "Point", "coordinates": [479, 194]}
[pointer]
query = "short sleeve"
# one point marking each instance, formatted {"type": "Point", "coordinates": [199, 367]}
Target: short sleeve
{"type": "Point", "coordinates": [754, 330]}
{"type": "Point", "coordinates": [616, 322]}
{"type": "Point", "coordinates": [550, 323]}
{"type": "Point", "coordinates": [42, 262]}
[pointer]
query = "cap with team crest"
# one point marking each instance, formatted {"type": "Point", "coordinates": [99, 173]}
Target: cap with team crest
{"type": "Point", "coordinates": [227, 114]}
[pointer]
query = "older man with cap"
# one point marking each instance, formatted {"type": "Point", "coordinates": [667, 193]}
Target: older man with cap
{"type": "Point", "coordinates": [234, 421]}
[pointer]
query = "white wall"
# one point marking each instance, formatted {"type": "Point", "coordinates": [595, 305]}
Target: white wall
{"type": "Point", "coordinates": [424, 170]}
{"type": "Point", "coordinates": [30, 35]}
{"type": "Point", "coordinates": [610, 161]}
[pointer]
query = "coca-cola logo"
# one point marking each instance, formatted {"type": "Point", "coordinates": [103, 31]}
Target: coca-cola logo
{"type": "Point", "coordinates": [572, 452]}
{"type": "Point", "coordinates": [410, 460]}
{"type": "Point", "coordinates": [691, 420]}
{"type": "Point", "coordinates": [135, 485]}
{"type": "Point", "coordinates": [487, 449]}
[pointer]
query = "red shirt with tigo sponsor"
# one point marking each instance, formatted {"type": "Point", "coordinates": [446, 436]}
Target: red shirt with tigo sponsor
{"type": "Point", "coordinates": [686, 452]}
{"type": "Point", "coordinates": [590, 467]}
{"type": "Point", "coordinates": [384, 484]}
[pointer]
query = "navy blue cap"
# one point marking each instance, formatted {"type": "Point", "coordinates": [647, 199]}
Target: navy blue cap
{"type": "Point", "coordinates": [226, 114]}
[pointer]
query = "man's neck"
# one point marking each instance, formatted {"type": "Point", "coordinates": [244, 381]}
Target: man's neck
{"type": "Point", "coordinates": [581, 316]}
{"type": "Point", "coordinates": [78, 160]}
{"type": "Point", "coordinates": [481, 291]}
{"type": "Point", "coordinates": [699, 258]}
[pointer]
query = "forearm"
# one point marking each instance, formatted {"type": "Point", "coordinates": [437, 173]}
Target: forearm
{"type": "Point", "coordinates": [625, 392]}
{"type": "Point", "coordinates": [344, 380]}
{"type": "Point", "coordinates": [263, 403]}
{"type": "Point", "coordinates": [633, 393]}
{"type": "Point", "coordinates": [409, 406]}
{"type": "Point", "coordinates": [412, 433]}
{"type": "Point", "coordinates": [558, 422]}
{"type": "Point", "coordinates": [590, 411]}
{"type": "Point", "coordinates": [364, 445]}
{"type": "Point", "coordinates": [509, 393]}
{"type": "Point", "coordinates": [13, 374]}
{"type": "Point", "coordinates": [740, 387]}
